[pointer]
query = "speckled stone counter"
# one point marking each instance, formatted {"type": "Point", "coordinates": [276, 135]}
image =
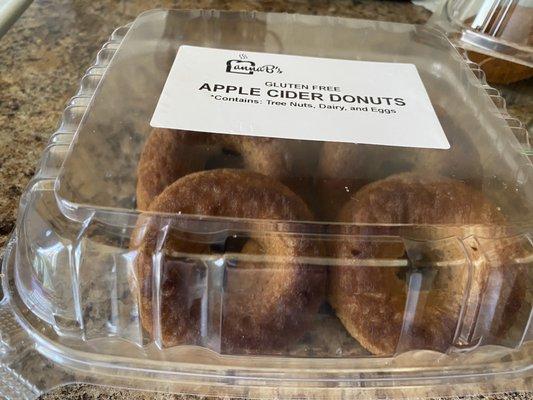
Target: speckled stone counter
{"type": "Point", "coordinates": [45, 54]}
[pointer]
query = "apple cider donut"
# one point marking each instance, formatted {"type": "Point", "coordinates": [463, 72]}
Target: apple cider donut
{"type": "Point", "coordinates": [265, 299]}
{"type": "Point", "coordinates": [166, 156]}
{"type": "Point", "coordinates": [170, 154]}
{"type": "Point", "coordinates": [346, 167]}
{"type": "Point", "coordinates": [371, 301]}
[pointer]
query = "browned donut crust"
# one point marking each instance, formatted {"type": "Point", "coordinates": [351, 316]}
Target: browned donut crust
{"type": "Point", "coordinates": [168, 155]}
{"type": "Point", "coordinates": [265, 301]}
{"type": "Point", "coordinates": [344, 167]}
{"type": "Point", "coordinates": [372, 302]}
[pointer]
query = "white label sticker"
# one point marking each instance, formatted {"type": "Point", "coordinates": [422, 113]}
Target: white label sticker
{"type": "Point", "coordinates": [295, 97]}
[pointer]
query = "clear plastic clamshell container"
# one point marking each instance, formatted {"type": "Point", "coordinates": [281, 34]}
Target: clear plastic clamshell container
{"type": "Point", "coordinates": [497, 33]}
{"type": "Point", "coordinates": [196, 262]}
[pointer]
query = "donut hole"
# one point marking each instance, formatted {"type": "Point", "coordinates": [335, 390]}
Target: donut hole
{"type": "Point", "coordinates": [237, 244]}
{"type": "Point", "coordinates": [243, 244]}
{"type": "Point", "coordinates": [234, 244]}
{"type": "Point", "coordinates": [401, 274]}
{"type": "Point", "coordinates": [218, 247]}
{"type": "Point", "coordinates": [225, 158]}
{"type": "Point", "coordinates": [355, 252]}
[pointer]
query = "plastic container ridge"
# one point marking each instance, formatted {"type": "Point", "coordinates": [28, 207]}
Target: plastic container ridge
{"type": "Point", "coordinates": [302, 285]}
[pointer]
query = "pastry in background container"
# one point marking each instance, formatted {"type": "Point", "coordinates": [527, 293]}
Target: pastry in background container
{"type": "Point", "coordinates": [497, 35]}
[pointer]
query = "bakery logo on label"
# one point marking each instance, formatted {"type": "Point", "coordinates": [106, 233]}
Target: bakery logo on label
{"type": "Point", "coordinates": [246, 67]}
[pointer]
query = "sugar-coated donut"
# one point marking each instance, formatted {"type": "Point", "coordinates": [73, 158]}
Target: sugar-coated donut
{"type": "Point", "coordinates": [170, 154]}
{"type": "Point", "coordinates": [372, 302]}
{"type": "Point", "coordinates": [265, 299]}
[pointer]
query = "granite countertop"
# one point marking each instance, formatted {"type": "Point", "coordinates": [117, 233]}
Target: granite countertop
{"type": "Point", "coordinates": [45, 54]}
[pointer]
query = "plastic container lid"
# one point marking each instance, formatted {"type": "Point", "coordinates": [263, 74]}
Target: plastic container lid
{"type": "Point", "coordinates": [501, 27]}
{"type": "Point", "coordinates": [492, 28]}
{"type": "Point", "coordinates": [210, 262]}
